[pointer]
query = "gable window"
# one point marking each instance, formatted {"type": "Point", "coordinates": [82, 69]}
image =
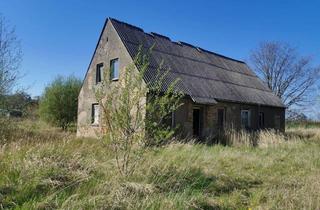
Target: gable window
{"type": "Point", "coordinates": [261, 119]}
{"type": "Point", "coordinates": [95, 114]}
{"type": "Point", "coordinates": [99, 73]}
{"type": "Point", "coordinates": [114, 69]}
{"type": "Point", "coordinates": [245, 119]}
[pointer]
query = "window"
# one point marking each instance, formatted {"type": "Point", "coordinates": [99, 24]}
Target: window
{"type": "Point", "coordinates": [99, 73]}
{"type": "Point", "coordinates": [220, 118]}
{"type": "Point", "coordinates": [245, 119]}
{"type": "Point", "coordinates": [261, 120]}
{"type": "Point", "coordinates": [95, 114]}
{"type": "Point", "coordinates": [114, 69]}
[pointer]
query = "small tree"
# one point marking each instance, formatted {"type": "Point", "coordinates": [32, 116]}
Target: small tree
{"type": "Point", "coordinates": [18, 101]}
{"type": "Point", "coordinates": [10, 57]}
{"type": "Point", "coordinates": [59, 102]}
{"type": "Point", "coordinates": [134, 112]}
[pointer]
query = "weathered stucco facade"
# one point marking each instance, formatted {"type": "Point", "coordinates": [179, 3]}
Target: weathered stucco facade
{"type": "Point", "coordinates": [109, 47]}
{"type": "Point", "coordinates": [220, 92]}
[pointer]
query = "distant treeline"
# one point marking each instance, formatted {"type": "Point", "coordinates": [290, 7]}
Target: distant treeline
{"type": "Point", "coordinates": [303, 124]}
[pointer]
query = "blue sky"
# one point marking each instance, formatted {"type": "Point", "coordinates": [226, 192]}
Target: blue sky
{"type": "Point", "coordinates": [59, 36]}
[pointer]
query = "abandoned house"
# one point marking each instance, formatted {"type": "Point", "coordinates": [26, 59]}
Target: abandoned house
{"type": "Point", "coordinates": [219, 91]}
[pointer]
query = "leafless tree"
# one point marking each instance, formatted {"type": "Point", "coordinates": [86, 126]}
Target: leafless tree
{"type": "Point", "coordinates": [10, 57]}
{"type": "Point", "coordinates": [291, 76]}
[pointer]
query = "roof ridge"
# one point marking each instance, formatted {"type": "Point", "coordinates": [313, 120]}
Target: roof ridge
{"type": "Point", "coordinates": [160, 35]}
{"type": "Point", "coordinates": [188, 88]}
{"type": "Point", "coordinates": [175, 42]}
{"type": "Point", "coordinates": [127, 24]}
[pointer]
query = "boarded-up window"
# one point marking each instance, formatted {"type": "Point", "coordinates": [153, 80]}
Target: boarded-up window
{"type": "Point", "coordinates": [245, 119]}
{"type": "Point", "coordinates": [99, 73]}
{"type": "Point", "coordinates": [95, 114]}
{"type": "Point", "coordinates": [114, 69]}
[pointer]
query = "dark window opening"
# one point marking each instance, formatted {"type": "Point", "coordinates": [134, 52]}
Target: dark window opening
{"type": "Point", "coordinates": [99, 73]}
{"type": "Point", "coordinates": [261, 120]}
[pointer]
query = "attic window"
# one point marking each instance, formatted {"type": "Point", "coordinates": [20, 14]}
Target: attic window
{"type": "Point", "coordinates": [114, 69]}
{"type": "Point", "coordinates": [99, 73]}
{"type": "Point", "coordinates": [199, 49]}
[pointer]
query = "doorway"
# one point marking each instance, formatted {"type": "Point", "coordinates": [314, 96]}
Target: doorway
{"type": "Point", "coordinates": [197, 122]}
{"type": "Point", "coordinates": [221, 118]}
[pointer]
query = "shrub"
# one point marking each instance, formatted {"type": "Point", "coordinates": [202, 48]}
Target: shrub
{"type": "Point", "coordinates": [6, 130]}
{"type": "Point", "coordinates": [134, 114]}
{"type": "Point", "coordinates": [59, 102]}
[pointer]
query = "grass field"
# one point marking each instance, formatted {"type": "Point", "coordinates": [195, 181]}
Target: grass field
{"type": "Point", "coordinates": [42, 168]}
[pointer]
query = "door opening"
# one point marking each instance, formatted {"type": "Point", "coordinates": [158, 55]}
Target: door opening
{"type": "Point", "coordinates": [221, 116]}
{"type": "Point", "coordinates": [196, 122]}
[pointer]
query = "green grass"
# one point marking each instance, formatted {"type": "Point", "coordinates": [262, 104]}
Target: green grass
{"type": "Point", "coordinates": [60, 171]}
{"type": "Point", "coordinates": [304, 124]}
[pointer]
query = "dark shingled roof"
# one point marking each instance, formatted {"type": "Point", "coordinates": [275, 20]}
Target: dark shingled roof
{"type": "Point", "coordinates": [206, 77]}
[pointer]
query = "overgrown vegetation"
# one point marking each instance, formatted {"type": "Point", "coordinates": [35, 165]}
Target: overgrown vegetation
{"type": "Point", "coordinates": [44, 168]}
{"type": "Point", "coordinates": [59, 102]}
{"type": "Point", "coordinates": [134, 113]}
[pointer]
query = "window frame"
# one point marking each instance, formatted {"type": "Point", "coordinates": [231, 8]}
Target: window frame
{"type": "Point", "coordinates": [248, 125]}
{"type": "Point", "coordinates": [99, 73]}
{"type": "Point", "coordinates": [112, 67]}
{"type": "Point", "coordinates": [93, 114]}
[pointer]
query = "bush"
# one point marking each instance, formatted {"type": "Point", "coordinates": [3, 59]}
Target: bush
{"type": "Point", "coordinates": [135, 114]}
{"type": "Point", "coordinates": [6, 130]}
{"type": "Point", "coordinates": [59, 102]}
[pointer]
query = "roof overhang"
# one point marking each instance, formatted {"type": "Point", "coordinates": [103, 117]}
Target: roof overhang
{"type": "Point", "coordinates": [201, 100]}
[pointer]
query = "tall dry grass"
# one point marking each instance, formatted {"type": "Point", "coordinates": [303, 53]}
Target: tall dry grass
{"type": "Point", "coordinates": [265, 138]}
{"type": "Point", "coordinates": [282, 172]}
